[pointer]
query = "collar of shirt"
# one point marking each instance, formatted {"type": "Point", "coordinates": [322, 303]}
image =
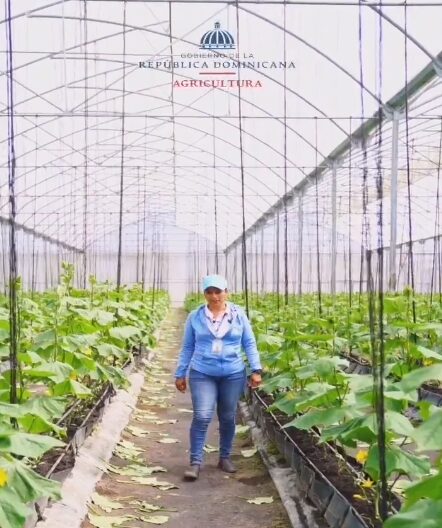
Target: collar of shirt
{"type": "Point", "coordinates": [220, 316]}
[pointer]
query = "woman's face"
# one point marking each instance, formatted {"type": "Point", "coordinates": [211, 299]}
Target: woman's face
{"type": "Point", "coordinates": [215, 297]}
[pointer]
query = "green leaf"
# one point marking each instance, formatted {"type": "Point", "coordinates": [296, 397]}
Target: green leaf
{"type": "Point", "coordinates": [13, 410]}
{"type": "Point", "coordinates": [13, 512]}
{"type": "Point", "coordinates": [318, 417]}
{"type": "Point", "coordinates": [398, 423]}
{"type": "Point", "coordinates": [269, 342]}
{"type": "Point", "coordinates": [56, 371]}
{"type": "Point", "coordinates": [37, 425]}
{"type": "Point", "coordinates": [71, 387]}
{"type": "Point", "coordinates": [45, 340]}
{"type": "Point", "coordinates": [107, 350]}
{"type": "Point", "coordinates": [29, 445]}
{"type": "Point", "coordinates": [416, 378]}
{"type": "Point", "coordinates": [430, 488]}
{"type": "Point", "coordinates": [280, 381]}
{"type": "Point", "coordinates": [113, 374]}
{"type": "Point", "coordinates": [27, 484]}
{"type": "Point", "coordinates": [124, 333]}
{"type": "Point", "coordinates": [397, 460]}
{"type": "Point", "coordinates": [428, 436]}
{"type": "Point", "coordinates": [46, 407]}
{"type": "Point", "coordinates": [424, 514]}
{"type": "Point", "coordinates": [427, 352]}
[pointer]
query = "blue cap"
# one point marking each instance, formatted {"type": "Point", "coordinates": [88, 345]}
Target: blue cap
{"type": "Point", "coordinates": [214, 281]}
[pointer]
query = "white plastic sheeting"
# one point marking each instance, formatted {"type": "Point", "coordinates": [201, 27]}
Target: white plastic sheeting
{"type": "Point", "coordinates": [90, 121]}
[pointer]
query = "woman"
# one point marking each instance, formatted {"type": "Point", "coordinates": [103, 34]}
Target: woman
{"type": "Point", "coordinates": [212, 343]}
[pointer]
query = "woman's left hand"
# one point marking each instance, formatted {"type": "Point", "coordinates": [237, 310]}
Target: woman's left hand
{"type": "Point", "coordinates": [255, 380]}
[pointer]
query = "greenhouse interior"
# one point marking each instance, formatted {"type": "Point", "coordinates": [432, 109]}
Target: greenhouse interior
{"type": "Point", "coordinates": [194, 190]}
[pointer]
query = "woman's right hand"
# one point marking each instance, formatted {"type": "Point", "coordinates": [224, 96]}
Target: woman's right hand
{"type": "Point", "coordinates": [181, 384]}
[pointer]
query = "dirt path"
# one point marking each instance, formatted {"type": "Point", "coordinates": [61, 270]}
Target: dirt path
{"type": "Point", "coordinates": [159, 430]}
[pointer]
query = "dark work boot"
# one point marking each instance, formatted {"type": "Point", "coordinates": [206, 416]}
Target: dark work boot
{"type": "Point", "coordinates": [192, 472]}
{"type": "Point", "coordinates": [225, 464]}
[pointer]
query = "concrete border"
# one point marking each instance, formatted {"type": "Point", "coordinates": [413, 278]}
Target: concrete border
{"type": "Point", "coordinates": [93, 455]}
{"type": "Point", "coordinates": [301, 514]}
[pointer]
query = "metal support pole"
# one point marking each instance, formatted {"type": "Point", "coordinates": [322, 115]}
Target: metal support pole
{"type": "Point", "coordinates": [334, 232]}
{"type": "Point", "coordinates": [300, 241]}
{"type": "Point", "coordinates": [393, 200]}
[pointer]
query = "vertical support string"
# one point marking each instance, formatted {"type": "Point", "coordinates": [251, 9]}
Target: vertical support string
{"type": "Point", "coordinates": [215, 197]}
{"type": "Point", "coordinates": [407, 149]}
{"type": "Point", "coordinates": [277, 263]}
{"type": "Point", "coordinates": [436, 242]}
{"type": "Point", "coordinates": [86, 143]}
{"type": "Point", "coordinates": [172, 105]}
{"type": "Point", "coordinates": [318, 255]}
{"type": "Point", "coordinates": [241, 153]}
{"type": "Point", "coordinates": [379, 368]}
{"type": "Point", "coordinates": [123, 123]}
{"type": "Point", "coordinates": [300, 240]}
{"type": "Point", "coordinates": [13, 272]}
{"type": "Point", "coordinates": [286, 267]}
{"type": "Point", "coordinates": [139, 216]}
{"type": "Point", "coordinates": [350, 234]}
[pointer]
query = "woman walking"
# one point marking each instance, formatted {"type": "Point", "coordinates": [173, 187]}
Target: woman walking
{"type": "Point", "coordinates": [214, 335]}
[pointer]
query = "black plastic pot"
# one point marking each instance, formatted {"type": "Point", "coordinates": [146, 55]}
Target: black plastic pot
{"type": "Point", "coordinates": [431, 397]}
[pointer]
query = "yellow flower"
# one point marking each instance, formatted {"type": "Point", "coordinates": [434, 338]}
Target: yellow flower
{"type": "Point", "coordinates": [427, 362]}
{"type": "Point", "coordinates": [368, 483]}
{"type": "Point", "coordinates": [362, 456]}
{"type": "Point", "coordinates": [73, 376]}
{"type": "Point", "coordinates": [3, 477]}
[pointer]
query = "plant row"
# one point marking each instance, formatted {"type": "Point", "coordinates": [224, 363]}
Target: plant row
{"type": "Point", "coordinates": [71, 345]}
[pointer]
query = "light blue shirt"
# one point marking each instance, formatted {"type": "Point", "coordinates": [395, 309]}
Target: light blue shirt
{"type": "Point", "coordinates": [220, 325]}
{"type": "Point", "coordinates": [197, 351]}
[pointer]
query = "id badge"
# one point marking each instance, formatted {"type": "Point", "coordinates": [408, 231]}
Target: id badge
{"type": "Point", "coordinates": [217, 346]}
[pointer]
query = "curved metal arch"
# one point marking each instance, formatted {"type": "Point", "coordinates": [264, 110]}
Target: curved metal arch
{"type": "Point", "coordinates": [220, 185]}
{"type": "Point", "coordinates": [184, 106]}
{"type": "Point", "coordinates": [141, 132]}
{"type": "Point", "coordinates": [130, 26]}
{"type": "Point", "coordinates": [195, 233]}
{"type": "Point", "coordinates": [189, 106]}
{"type": "Point", "coordinates": [130, 223]}
{"type": "Point", "coordinates": [26, 13]}
{"type": "Point", "coordinates": [162, 138]}
{"type": "Point", "coordinates": [165, 121]}
{"type": "Point", "coordinates": [224, 172]}
{"type": "Point", "coordinates": [316, 50]}
{"type": "Point", "coordinates": [225, 121]}
{"type": "Point", "coordinates": [405, 33]}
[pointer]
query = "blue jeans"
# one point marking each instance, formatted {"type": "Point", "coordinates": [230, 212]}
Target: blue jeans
{"type": "Point", "coordinates": [208, 392]}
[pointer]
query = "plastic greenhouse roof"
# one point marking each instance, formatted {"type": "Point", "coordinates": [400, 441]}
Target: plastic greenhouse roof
{"type": "Point", "coordinates": [86, 114]}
